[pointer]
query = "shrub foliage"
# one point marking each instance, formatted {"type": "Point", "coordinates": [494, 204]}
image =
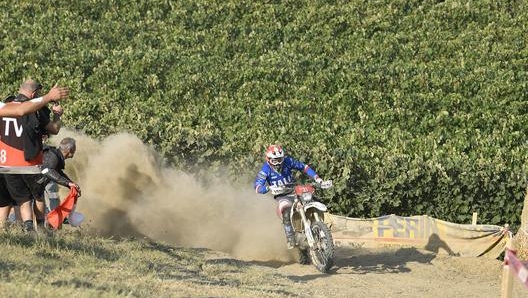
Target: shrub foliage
{"type": "Point", "coordinates": [410, 106]}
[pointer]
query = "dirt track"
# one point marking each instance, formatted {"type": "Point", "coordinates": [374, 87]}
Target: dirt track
{"type": "Point", "coordinates": [402, 273]}
{"type": "Point", "coordinates": [256, 233]}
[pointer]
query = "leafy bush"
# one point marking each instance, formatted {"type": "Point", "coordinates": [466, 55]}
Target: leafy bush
{"type": "Point", "coordinates": [412, 107]}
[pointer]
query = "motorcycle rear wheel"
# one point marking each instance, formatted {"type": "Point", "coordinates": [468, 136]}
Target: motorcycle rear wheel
{"type": "Point", "coordinates": [323, 252]}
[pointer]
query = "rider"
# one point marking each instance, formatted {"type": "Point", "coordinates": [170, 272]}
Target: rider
{"type": "Point", "coordinates": [277, 171]}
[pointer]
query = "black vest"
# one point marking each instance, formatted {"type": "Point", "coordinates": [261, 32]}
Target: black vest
{"type": "Point", "coordinates": [33, 129]}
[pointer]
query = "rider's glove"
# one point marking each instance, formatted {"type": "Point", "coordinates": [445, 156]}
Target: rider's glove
{"type": "Point", "coordinates": [318, 180]}
{"type": "Point", "coordinates": [276, 190]}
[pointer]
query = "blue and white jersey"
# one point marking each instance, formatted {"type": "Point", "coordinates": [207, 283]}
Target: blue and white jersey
{"type": "Point", "coordinates": [267, 175]}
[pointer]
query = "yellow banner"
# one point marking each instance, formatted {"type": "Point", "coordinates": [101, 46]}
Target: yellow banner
{"type": "Point", "coordinates": [419, 232]}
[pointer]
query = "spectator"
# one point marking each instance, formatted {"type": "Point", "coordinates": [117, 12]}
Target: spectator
{"type": "Point", "coordinates": [52, 172]}
{"type": "Point", "coordinates": [16, 109]}
{"type": "Point", "coordinates": [23, 188]}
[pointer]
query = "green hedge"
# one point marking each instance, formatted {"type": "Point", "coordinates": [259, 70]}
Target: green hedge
{"type": "Point", "coordinates": [412, 107]}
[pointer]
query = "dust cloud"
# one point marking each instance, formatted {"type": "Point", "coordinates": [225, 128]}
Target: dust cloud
{"type": "Point", "coordinates": [127, 191]}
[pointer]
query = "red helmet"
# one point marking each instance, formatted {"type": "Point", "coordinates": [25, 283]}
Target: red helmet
{"type": "Point", "coordinates": [275, 155]}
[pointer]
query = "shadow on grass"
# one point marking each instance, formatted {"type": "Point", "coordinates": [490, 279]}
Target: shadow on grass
{"type": "Point", "coordinates": [308, 277]}
{"type": "Point", "coordinates": [271, 263]}
{"type": "Point", "coordinates": [5, 268]}
{"type": "Point", "coordinates": [74, 282]}
{"type": "Point", "coordinates": [172, 251]}
{"type": "Point", "coordinates": [52, 244]}
{"type": "Point", "coordinates": [239, 268]}
{"type": "Point", "coordinates": [217, 272]}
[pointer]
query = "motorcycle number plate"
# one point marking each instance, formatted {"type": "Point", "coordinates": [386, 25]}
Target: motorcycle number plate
{"type": "Point", "coordinates": [300, 189]}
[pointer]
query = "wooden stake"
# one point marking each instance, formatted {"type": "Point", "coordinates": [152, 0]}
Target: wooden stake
{"type": "Point", "coordinates": [507, 276]}
{"type": "Point", "coordinates": [474, 221]}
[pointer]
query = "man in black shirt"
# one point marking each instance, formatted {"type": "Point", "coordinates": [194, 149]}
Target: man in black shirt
{"type": "Point", "coordinates": [53, 171]}
{"type": "Point", "coordinates": [25, 135]}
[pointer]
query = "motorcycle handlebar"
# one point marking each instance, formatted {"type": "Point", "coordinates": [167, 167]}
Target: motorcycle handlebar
{"type": "Point", "coordinates": [281, 189]}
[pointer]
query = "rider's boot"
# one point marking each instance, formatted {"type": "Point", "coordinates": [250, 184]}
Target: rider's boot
{"type": "Point", "coordinates": [288, 229]}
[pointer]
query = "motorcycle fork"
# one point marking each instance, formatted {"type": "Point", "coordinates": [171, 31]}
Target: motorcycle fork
{"type": "Point", "coordinates": [306, 223]}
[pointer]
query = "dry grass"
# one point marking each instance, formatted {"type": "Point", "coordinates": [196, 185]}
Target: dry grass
{"type": "Point", "coordinates": [74, 263]}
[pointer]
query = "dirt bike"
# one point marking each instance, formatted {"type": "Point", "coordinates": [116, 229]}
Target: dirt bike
{"type": "Point", "coordinates": [312, 236]}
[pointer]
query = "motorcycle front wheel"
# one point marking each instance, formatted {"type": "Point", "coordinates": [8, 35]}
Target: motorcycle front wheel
{"type": "Point", "coordinates": [322, 253]}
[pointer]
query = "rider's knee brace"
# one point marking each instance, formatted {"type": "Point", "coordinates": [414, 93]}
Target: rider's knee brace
{"type": "Point", "coordinates": [286, 216]}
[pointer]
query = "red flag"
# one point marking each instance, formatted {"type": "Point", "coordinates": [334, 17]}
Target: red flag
{"type": "Point", "coordinates": [57, 215]}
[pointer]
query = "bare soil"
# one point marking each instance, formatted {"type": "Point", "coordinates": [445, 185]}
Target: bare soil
{"type": "Point", "coordinates": [401, 273]}
{"type": "Point", "coordinates": [143, 198]}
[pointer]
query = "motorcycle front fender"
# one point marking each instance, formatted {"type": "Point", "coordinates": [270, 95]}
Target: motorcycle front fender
{"type": "Point", "coordinates": [317, 205]}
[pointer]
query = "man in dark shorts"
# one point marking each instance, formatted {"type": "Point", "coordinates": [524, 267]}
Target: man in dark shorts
{"type": "Point", "coordinates": [6, 202]}
{"type": "Point", "coordinates": [23, 188]}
